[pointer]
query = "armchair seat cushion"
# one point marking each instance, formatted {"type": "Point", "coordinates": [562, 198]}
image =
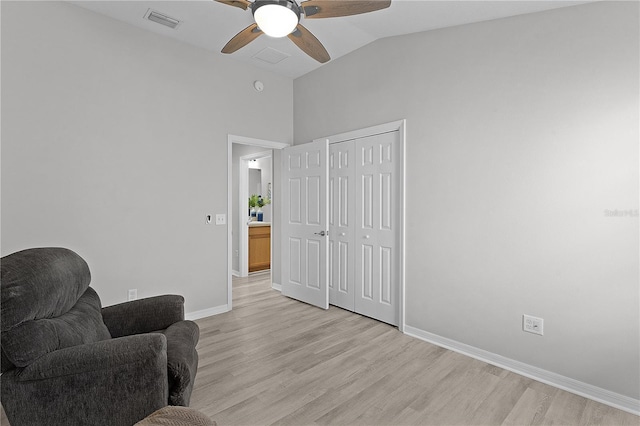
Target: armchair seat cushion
{"type": "Point", "coordinates": [182, 360]}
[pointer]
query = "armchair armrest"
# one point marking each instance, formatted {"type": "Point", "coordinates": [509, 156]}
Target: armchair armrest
{"type": "Point", "coordinates": [143, 315]}
{"type": "Point", "coordinates": [111, 382]}
{"type": "Point", "coordinates": [104, 356]}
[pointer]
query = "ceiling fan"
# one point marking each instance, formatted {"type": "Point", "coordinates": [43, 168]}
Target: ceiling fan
{"type": "Point", "coordinates": [280, 18]}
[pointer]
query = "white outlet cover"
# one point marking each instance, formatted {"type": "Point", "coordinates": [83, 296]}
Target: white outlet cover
{"type": "Point", "coordinates": [221, 219]}
{"type": "Point", "coordinates": [533, 325]}
{"type": "Point", "coordinates": [132, 294]}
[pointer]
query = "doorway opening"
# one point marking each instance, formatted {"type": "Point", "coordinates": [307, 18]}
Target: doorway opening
{"type": "Point", "coordinates": [238, 205]}
{"type": "Point", "coordinates": [252, 248]}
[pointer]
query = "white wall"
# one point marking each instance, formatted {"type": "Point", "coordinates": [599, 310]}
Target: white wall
{"type": "Point", "coordinates": [521, 132]}
{"type": "Point", "coordinates": [114, 144]}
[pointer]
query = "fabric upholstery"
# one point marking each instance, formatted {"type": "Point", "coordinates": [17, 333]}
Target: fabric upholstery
{"type": "Point", "coordinates": [32, 339]}
{"type": "Point", "coordinates": [176, 416]}
{"type": "Point", "coordinates": [182, 360]}
{"type": "Point", "coordinates": [113, 382]}
{"type": "Point", "coordinates": [64, 313]}
{"type": "Point", "coordinates": [60, 363]}
{"type": "Point", "coordinates": [143, 315]}
{"type": "Point", "coordinates": [5, 364]}
{"type": "Point", "coordinates": [51, 279]}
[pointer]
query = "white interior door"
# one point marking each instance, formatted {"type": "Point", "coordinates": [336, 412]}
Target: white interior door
{"type": "Point", "coordinates": [377, 231]}
{"type": "Point", "coordinates": [305, 207]}
{"type": "Point", "coordinates": [342, 224]}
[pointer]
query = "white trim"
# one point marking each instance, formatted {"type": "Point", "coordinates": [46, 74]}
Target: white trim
{"type": "Point", "coordinates": [243, 262]}
{"type": "Point", "coordinates": [216, 310]}
{"type": "Point", "coordinates": [568, 384]}
{"type": "Point", "coordinates": [231, 139]}
{"type": "Point", "coordinates": [368, 131]}
{"type": "Point", "coordinates": [401, 127]}
{"type": "Point", "coordinates": [235, 273]}
{"type": "Point", "coordinates": [276, 286]}
{"type": "Point", "coordinates": [242, 140]}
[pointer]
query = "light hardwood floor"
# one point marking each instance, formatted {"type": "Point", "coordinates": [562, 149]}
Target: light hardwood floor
{"type": "Point", "coordinates": [273, 360]}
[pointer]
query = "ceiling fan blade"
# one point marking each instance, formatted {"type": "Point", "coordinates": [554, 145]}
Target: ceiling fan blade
{"type": "Point", "coordinates": [243, 38]}
{"type": "Point", "coordinates": [242, 4]}
{"type": "Point", "coordinates": [309, 44]}
{"type": "Point", "coordinates": [314, 9]}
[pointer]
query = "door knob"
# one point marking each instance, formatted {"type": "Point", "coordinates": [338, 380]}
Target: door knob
{"type": "Point", "coordinates": [366, 237]}
{"type": "Point", "coordinates": [321, 233]}
{"type": "Point", "coordinates": [342, 234]}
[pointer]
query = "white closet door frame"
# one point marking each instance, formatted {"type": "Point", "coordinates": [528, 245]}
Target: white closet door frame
{"type": "Point", "coordinates": [399, 126]}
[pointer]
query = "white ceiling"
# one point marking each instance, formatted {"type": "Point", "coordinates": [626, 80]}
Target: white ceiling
{"type": "Point", "coordinates": [209, 24]}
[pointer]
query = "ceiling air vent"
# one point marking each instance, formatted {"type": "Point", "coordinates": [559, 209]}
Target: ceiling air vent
{"type": "Point", "coordinates": [162, 19]}
{"type": "Point", "coordinates": [271, 55]}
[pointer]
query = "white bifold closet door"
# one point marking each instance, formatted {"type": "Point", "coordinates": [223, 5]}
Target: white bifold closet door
{"type": "Point", "coordinates": [364, 265]}
{"type": "Point", "coordinates": [304, 227]}
{"type": "Point", "coordinates": [342, 223]}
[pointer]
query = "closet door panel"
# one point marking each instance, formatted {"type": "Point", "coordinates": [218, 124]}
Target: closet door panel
{"type": "Point", "coordinates": [341, 224]}
{"type": "Point", "coordinates": [304, 255]}
{"type": "Point", "coordinates": [376, 233]}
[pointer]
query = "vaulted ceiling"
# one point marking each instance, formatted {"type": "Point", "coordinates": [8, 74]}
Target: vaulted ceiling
{"type": "Point", "coordinates": [209, 24]}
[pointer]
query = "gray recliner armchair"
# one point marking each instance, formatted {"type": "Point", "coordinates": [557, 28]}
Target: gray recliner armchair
{"type": "Point", "coordinates": [67, 361]}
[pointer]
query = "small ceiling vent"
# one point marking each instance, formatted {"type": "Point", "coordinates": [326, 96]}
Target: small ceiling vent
{"type": "Point", "coordinates": [162, 19]}
{"type": "Point", "coordinates": [271, 55]}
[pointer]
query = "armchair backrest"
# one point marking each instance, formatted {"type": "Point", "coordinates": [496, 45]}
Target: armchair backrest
{"type": "Point", "coordinates": [47, 305]}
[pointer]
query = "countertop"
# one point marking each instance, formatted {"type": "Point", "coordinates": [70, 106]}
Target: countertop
{"type": "Point", "coordinates": [256, 223]}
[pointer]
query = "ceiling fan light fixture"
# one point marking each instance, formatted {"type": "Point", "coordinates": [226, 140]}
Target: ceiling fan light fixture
{"type": "Point", "coordinates": [276, 18]}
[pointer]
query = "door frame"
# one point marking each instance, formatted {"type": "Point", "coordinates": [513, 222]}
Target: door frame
{"type": "Point", "coordinates": [242, 140]}
{"type": "Point", "coordinates": [400, 126]}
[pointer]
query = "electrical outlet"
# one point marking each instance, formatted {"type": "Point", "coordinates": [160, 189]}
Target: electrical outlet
{"type": "Point", "coordinates": [221, 219]}
{"type": "Point", "coordinates": [532, 324]}
{"type": "Point", "coordinates": [132, 294]}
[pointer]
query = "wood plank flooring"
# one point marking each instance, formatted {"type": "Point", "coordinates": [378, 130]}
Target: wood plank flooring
{"type": "Point", "coordinates": [272, 360]}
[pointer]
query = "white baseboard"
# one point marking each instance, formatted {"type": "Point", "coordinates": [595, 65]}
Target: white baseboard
{"type": "Point", "coordinates": [207, 312]}
{"type": "Point", "coordinates": [235, 273]}
{"type": "Point", "coordinates": [276, 286]}
{"type": "Point", "coordinates": [568, 384]}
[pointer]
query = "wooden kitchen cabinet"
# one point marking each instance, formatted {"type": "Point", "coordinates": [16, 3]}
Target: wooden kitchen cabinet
{"type": "Point", "coordinates": [259, 247]}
